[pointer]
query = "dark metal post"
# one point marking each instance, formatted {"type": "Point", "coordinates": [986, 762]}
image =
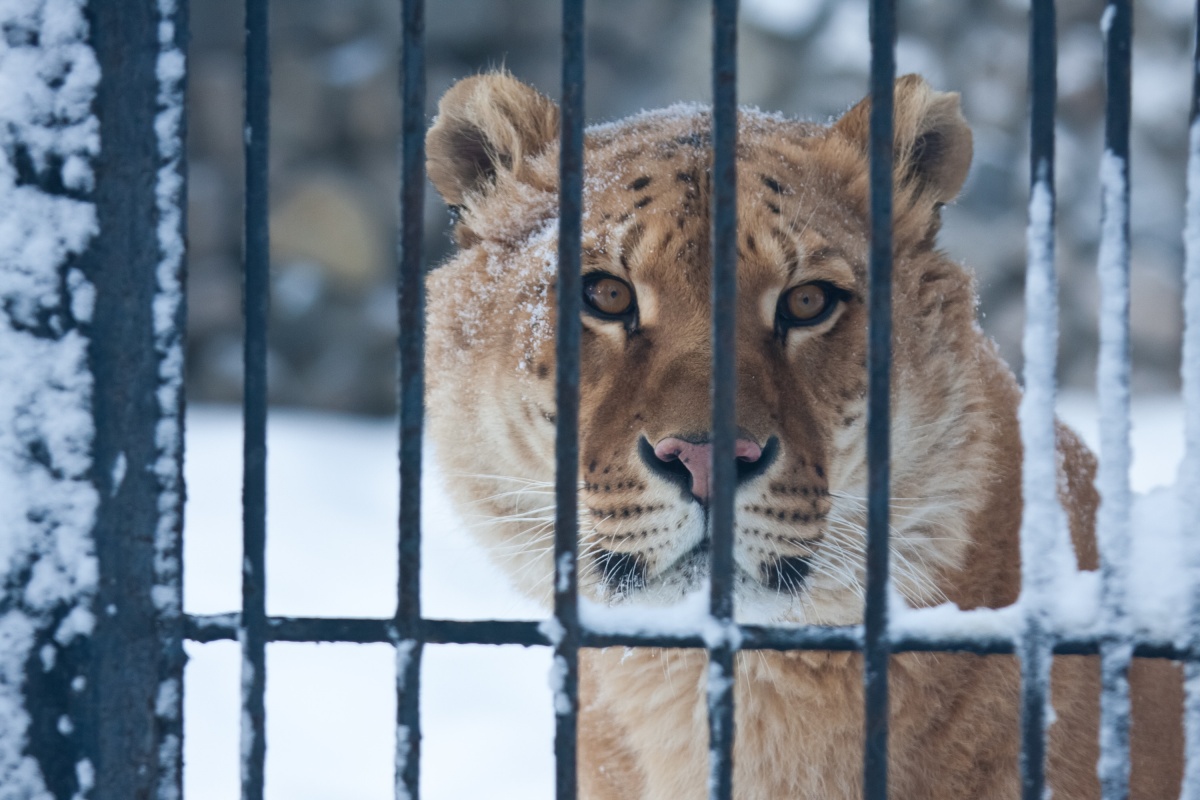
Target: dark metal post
{"type": "Point", "coordinates": [566, 451]}
{"type": "Point", "coordinates": [409, 644]}
{"type": "Point", "coordinates": [253, 631]}
{"type": "Point", "coordinates": [876, 649]}
{"type": "Point", "coordinates": [137, 649]}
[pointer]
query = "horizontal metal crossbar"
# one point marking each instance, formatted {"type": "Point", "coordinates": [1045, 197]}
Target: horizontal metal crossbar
{"type": "Point", "coordinates": [530, 633]}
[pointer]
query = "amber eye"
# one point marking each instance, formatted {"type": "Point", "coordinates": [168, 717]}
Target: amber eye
{"type": "Point", "coordinates": [807, 304]}
{"type": "Point", "coordinates": [609, 296]}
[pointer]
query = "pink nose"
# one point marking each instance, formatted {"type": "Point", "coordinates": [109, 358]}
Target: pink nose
{"type": "Point", "coordinates": [697, 457]}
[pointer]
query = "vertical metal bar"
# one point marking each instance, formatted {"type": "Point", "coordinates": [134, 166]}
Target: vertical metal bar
{"type": "Point", "coordinates": [170, 326]}
{"type": "Point", "coordinates": [566, 446]}
{"type": "Point", "coordinates": [1042, 518]}
{"type": "Point", "coordinates": [876, 646]}
{"type": "Point", "coordinates": [1112, 383]}
{"type": "Point", "coordinates": [1189, 473]}
{"type": "Point", "coordinates": [879, 362]}
{"type": "Point", "coordinates": [724, 390]}
{"type": "Point", "coordinates": [252, 633]}
{"type": "Point", "coordinates": [411, 296]}
{"type": "Point", "coordinates": [82, 417]}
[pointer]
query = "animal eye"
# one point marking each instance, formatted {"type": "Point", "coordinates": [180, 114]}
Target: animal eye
{"type": "Point", "coordinates": [611, 297]}
{"type": "Point", "coordinates": [807, 304]}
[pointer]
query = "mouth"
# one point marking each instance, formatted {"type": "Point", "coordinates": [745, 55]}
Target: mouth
{"type": "Point", "coordinates": [624, 574]}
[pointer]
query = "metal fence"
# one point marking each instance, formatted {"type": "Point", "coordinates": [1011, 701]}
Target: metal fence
{"type": "Point", "coordinates": [129, 726]}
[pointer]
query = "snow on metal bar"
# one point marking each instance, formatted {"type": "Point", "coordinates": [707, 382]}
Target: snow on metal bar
{"type": "Point", "coordinates": [1045, 547]}
{"type": "Point", "coordinates": [48, 138]}
{"type": "Point", "coordinates": [169, 325]}
{"type": "Point", "coordinates": [1189, 473]}
{"type": "Point", "coordinates": [411, 371]}
{"type": "Point", "coordinates": [1112, 384]}
{"type": "Point", "coordinates": [564, 676]}
{"type": "Point", "coordinates": [722, 646]}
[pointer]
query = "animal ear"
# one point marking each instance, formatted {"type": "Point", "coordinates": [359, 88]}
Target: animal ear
{"type": "Point", "coordinates": [932, 140]}
{"type": "Point", "coordinates": [486, 124]}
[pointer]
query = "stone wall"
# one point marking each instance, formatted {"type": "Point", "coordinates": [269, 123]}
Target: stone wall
{"type": "Point", "coordinates": [334, 176]}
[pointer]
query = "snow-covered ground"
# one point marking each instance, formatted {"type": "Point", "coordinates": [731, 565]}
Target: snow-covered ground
{"type": "Point", "coordinates": [487, 715]}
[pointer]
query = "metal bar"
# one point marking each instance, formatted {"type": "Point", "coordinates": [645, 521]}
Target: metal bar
{"type": "Point", "coordinates": [1112, 384]}
{"type": "Point", "coordinates": [1189, 472]}
{"type": "Point", "coordinates": [724, 389]}
{"type": "Point", "coordinates": [170, 326]}
{"type": "Point", "coordinates": [94, 726]}
{"type": "Point", "coordinates": [411, 371]}
{"type": "Point", "coordinates": [876, 645]}
{"type": "Point", "coordinates": [531, 633]}
{"type": "Point", "coordinates": [566, 446]}
{"type": "Point", "coordinates": [252, 633]}
{"type": "Point", "coordinates": [1041, 517]}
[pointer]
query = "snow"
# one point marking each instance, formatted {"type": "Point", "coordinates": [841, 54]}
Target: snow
{"type": "Point", "coordinates": [1106, 20]}
{"type": "Point", "coordinates": [1189, 473]}
{"type": "Point", "coordinates": [1046, 557]}
{"type": "Point", "coordinates": [1112, 382]}
{"type": "Point", "coordinates": [48, 78]}
{"type": "Point", "coordinates": [558, 686]}
{"type": "Point", "coordinates": [1112, 478]}
{"type": "Point", "coordinates": [331, 550]}
{"type": "Point", "coordinates": [688, 617]}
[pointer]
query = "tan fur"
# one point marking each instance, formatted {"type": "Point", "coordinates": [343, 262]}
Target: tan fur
{"type": "Point", "coordinates": [802, 194]}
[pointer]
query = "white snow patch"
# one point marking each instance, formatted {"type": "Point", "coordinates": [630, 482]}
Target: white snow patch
{"type": "Point", "coordinates": [558, 685]}
{"type": "Point", "coordinates": [553, 630]}
{"type": "Point", "coordinates": [48, 78]}
{"type": "Point", "coordinates": [403, 748]}
{"type": "Point", "coordinates": [718, 684]}
{"type": "Point", "coordinates": [948, 620]}
{"type": "Point", "coordinates": [688, 617]}
{"type": "Point", "coordinates": [85, 774]}
{"type": "Point", "coordinates": [566, 569]}
{"type": "Point", "coordinates": [1106, 19]}
{"type": "Point", "coordinates": [120, 465]}
{"type": "Point", "coordinates": [1046, 555]}
{"type": "Point", "coordinates": [166, 705]}
{"type": "Point", "coordinates": [49, 655]}
{"type": "Point", "coordinates": [404, 652]}
{"type": "Point", "coordinates": [1112, 383]}
{"type": "Point", "coordinates": [1189, 473]}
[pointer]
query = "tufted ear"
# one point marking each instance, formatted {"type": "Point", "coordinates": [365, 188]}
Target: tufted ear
{"type": "Point", "coordinates": [486, 124]}
{"type": "Point", "coordinates": [933, 141]}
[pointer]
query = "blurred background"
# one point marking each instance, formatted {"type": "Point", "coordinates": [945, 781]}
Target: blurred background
{"type": "Point", "coordinates": [334, 172]}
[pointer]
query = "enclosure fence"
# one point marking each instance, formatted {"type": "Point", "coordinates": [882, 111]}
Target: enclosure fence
{"type": "Point", "coordinates": [119, 682]}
